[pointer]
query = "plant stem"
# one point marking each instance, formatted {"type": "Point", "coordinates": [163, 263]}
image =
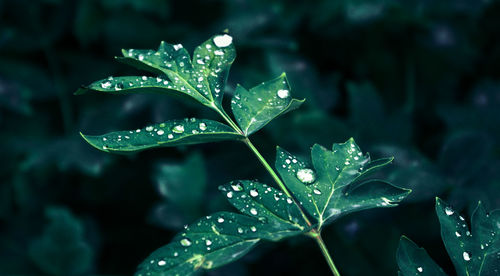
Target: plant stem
{"type": "Point", "coordinates": [314, 233]}
{"type": "Point", "coordinates": [317, 237]}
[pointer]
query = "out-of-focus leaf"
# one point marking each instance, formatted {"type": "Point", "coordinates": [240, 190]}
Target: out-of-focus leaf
{"type": "Point", "coordinates": [62, 250]}
{"type": "Point", "coordinates": [413, 260]}
{"type": "Point", "coordinates": [267, 204]}
{"type": "Point", "coordinates": [255, 108]}
{"type": "Point", "coordinates": [332, 187]}
{"type": "Point", "coordinates": [167, 134]}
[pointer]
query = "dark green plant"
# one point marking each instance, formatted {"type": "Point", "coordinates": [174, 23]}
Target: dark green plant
{"type": "Point", "coordinates": [474, 251]}
{"type": "Point", "coordinates": [309, 197]}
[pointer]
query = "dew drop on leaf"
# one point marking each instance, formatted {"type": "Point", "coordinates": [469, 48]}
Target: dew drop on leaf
{"type": "Point", "coordinates": [223, 40]}
{"type": "Point", "coordinates": [254, 193]}
{"type": "Point", "coordinates": [420, 269]}
{"type": "Point", "coordinates": [186, 242]}
{"type": "Point", "coordinates": [106, 84]}
{"type": "Point", "coordinates": [306, 176]}
{"type": "Point", "coordinates": [208, 242]}
{"type": "Point", "coordinates": [466, 256]}
{"type": "Point", "coordinates": [283, 93]}
{"type": "Point", "coordinates": [203, 126]}
{"type": "Point", "coordinates": [162, 263]}
{"type": "Point", "coordinates": [178, 129]}
{"type": "Point", "coordinates": [253, 211]}
{"type": "Point", "coordinates": [229, 194]}
{"type": "Point", "coordinates": [448, 211]}
{"type": "Point", "coordinates": [237, 187]}
{"type": "Point", "coordinates": [160, 132]}
{"type": "Point", "coordinates": [316, 191]}
{"type": "Point", "coordinates": [220, 220]}
{"type": "Point", "coordinates": [253, 228]}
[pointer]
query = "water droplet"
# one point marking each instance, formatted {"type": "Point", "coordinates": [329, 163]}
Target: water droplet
{"type": "Point", "coordinates": [229, 194]}
{"type": "Point", "coordinates": [420, 269]}
{"type": "Point", "coordinates": [253, 229]}
{"type": "Point", "coordinates": [220, 220]}
{"type": "Point", "coordinates": [176, 254]}
{"type": "Point", "coordinates": [170, 136]}
{"type": "Point", "coordinates": [177, 47]}
{"type": "Point", "coordinates": [457, 234]}
{"type": "Point", "coordinates": [237, 187]}
{"type": "Point", "coordinates": [240, 230]}
{"type": "Point", "coordinates": [160, 132]}
{"type": "Point", "coordinates": [276, 197]}
{"type": "Point", "coordinates": [223, 40]}
{"type": "Point", "coordinates": [208, 242]}
{"type": "Point", "coordinates": [149, 128]}
{"type": "Point", "coordinates": [448, 211]}
{"type": "Point", "coordinates": [186, 242]}
{"type": "Point", "coordinates": [289, 201]}
{"type": "Point", "coordinates": [306, 176]}
{"type": "Point", "coordinates": [106, 84]}
{"type": "Point", "coordinates": [316, 191]}
{"type": "Point", "coordinates": [254, 193]}
{"type": "Point", "coordinates": [202, 126]}
{"type": "Point", "coordinates": [253, 211]}
{"type": "Point", "coordinates": [162, 263]}
{"type": "Point", "coordinates": [466, 256]}
{"type": "Point", "coordinates": [178, 129]}
{"type": "Point", "coordinates": [283, 93]}
{"type": "Point", "coordinates": [144, 78]}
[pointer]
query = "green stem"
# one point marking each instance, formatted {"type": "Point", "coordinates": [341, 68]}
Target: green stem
{"type": "Point", "coordinates": [314, 233]}
{"type": "Point", "coordinates": [317, 237]}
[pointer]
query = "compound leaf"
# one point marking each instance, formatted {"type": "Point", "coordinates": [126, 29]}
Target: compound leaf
{"type": "Point", "coordinates": [413, 260]}
{"type": "Point", "coordinates": [255, 108]}
{"type": "Point", "coordinates": [472, 253]}
{"type": "Point", "coordinates": [277, 210]}
{"type": "Point", "coordinates": [167, 134]}
{"type": "Point", "coordinates": [332, 188]}
{"type": "Point", "coordinates": [209, 243]}
{"type": "Point", "coordinates": [202, 79]}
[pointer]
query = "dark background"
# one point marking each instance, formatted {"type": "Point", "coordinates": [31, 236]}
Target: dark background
{"type": "Point", "coordinates": [418, 80]}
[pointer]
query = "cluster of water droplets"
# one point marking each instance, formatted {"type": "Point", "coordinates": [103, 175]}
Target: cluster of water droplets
{"type": "Point", "coordinates": [169, 130]}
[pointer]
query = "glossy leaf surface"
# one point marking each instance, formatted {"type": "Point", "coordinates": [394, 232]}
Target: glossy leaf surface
{"type": "Point", "coordinates": [475, 251]}
{"type": "Point", "coordinates": [167, 134]}
{"type": "Point", "coordinates": [413, 260]}
{"type": "Point", "coordinates": [331, 187]}
{"type": "Point", "coordinates": [255, 108]}
{"type": "Point", "coordinates": [209, 243]}
{"type": "Point", "coordinates": [202, 78]}
{"type": "Point", "coordinates": [281, 215]}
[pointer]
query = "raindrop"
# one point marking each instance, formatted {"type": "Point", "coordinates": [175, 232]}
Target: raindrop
{"type": "Point", "coordinates": [420, 269]}
{"type": "Point", "coordinates": [306, 176]}
{"type": "Point", "coordinates": [178, 129]}
{"type": "Point", "coordinates": [254, 193]}
{"type": "Point", "coordinates": [253, 229]}
{"type": "Point", "coordinates": [162, 263]}
{"type": "Point", "coordinates": [289, 201]}
{"type": "Point", "coordinates": [208, 242]}
{"type": "Point", "coordinates": [240, 230]}
{"type": "Point", "coordinates": [458, 234]}
{"type": "Point", "coordinates": [316, 191]}
{"type": "Point", "coordinates": [186, 242]}
{"type": "Point", "coordinates": [202, 126]}
{"type": "Point", "coordinates": [223, 40]}
{"type": "Point", "coordinates": [149, 128]}
{"type": "Point", "coordinates": [160, 132]}
{"type": "Point", "coordinates": [283, 93]}
{"type": "Point", "coordinates": [229, 194]}
{"type": "Point", "coordinates": [448, 211]}
{"type": "Point", "coordinates": [253, 211]}
{"type": "Point", "coordinates": [106, 84]}
{"type": "Point", "coordinates": [466, 256]}
{"type": "Point", "coordinates": [237, 187]}
{"type": "Point", "coordinates": [170, 136]}
{"type": "Point", "coordinates": [144, 78]}
{"type": "Point", "coordinates": [220, 220]}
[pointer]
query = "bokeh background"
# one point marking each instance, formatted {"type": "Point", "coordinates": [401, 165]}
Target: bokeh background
{"type": "Point", "coordinates": [417, 79]}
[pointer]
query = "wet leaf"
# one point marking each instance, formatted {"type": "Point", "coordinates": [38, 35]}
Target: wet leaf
{"type": "Point", "coordinates": [267, 204]}
{"type": "Point", "coordinates": [475, 251]}
{"type": "Point", "coordinates": [202, 79]}
{"type": "Point", "coordinates": [332, 187]}
{"type": "Point", "coordinates": [209, 243]}
{"type": "Point", "coordinates": [255, 108]}
{"type": "Point", "coordinates": [167, 134]}
{"type": "Point", "coordinates": [413, 260]}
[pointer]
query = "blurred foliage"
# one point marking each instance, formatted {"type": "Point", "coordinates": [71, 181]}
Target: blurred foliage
{"type": "Point", "coordinates": [416, 79]}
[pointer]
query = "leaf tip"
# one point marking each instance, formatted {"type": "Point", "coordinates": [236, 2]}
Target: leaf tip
{"type": "Point", "coordinates": [82, 90]}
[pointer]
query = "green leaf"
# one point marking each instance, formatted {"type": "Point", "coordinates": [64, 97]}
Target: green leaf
{"type": "Point", "coordinates": [413, 260]}
{"type": "Point", "coordinates": [281, 215]}
{"type": "Point", "coordinates": [62, 249]}
{"type": "Point", "coordinates": [476, 252]}
{"type": "Point", "coordinates": [255, 108]}
{"type": "Point", "coordinates": [209, 243]}
{"type": "Point", "coordinates": [167, 134]}
{"type": "Point", "coordinates": [202, 79]}
{"type": "Point", "coordinates": [332, 188]}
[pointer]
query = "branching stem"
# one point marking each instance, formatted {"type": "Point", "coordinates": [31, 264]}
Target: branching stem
{"type": "Point", "coordinates": [314, 232]}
